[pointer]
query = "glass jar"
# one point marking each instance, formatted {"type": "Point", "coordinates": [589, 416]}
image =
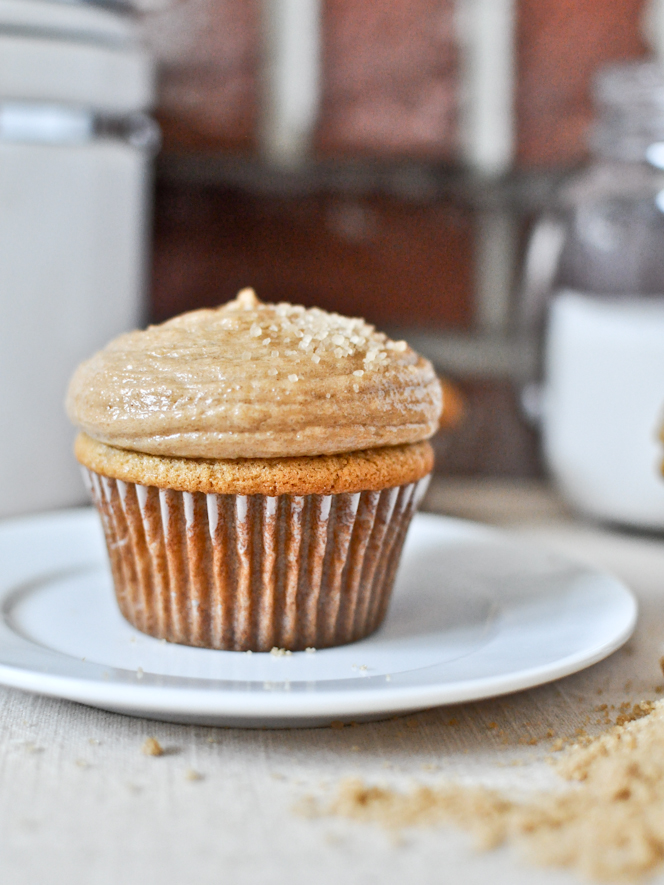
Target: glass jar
{"type": "Point", "coordinates": [614, 211]}
{"type": "Point", "coordinates": [598, 257]}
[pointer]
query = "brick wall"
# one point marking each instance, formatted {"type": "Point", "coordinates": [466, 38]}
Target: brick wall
{"type": "Point", "coordinates": [391, 260]}
{"type": "Point", "coordinates": [389, 79]}
{"type": "Point", "coordinates": [209, 82]}
{"type": "Point", "coordinates": [390, 75]}
{"type": "Point", "coordinates": [559, 45]}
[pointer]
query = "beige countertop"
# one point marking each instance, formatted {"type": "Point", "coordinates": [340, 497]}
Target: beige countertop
{"type": "Point", "coordinates": [80, 804]}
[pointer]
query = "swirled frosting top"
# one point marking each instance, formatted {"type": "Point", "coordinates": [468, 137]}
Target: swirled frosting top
{"type": "Point", "coordinates": [254, 380]}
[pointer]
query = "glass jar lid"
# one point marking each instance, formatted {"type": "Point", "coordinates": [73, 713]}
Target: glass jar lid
{"type": "Point", "coordinates": [629, 99]}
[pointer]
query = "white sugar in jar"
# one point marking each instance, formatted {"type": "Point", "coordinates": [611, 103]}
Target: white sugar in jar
{"type": "Point", "coordinates": [604, 405]}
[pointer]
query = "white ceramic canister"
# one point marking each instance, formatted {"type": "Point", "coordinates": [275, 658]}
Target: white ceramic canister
{"type": "Point", "coordinates": [604, 405]}
{"type": "Point", "coordinates": [75, 150]}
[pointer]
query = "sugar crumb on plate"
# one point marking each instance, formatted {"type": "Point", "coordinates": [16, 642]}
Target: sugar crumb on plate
{"type": "Point", "coordinates": [152, 747]}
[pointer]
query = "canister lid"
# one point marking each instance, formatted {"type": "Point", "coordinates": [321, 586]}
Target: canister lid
{"type": "Point", "coordinates": [79, 53]}
{"type": "Point", "coordinates": [97, 20]}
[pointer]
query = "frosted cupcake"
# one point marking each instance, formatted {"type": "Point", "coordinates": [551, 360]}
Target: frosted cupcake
{"type": "Point", "coordinates": [256, 467]}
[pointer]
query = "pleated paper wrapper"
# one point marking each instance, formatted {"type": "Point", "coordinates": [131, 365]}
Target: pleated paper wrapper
{"type": "Point", "coordinates": [253, 573]}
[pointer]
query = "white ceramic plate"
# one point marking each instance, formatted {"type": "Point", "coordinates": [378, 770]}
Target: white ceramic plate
{"type": "Point", "coordinates": [475, 614]}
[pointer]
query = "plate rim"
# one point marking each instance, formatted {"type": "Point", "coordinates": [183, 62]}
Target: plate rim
{"type": "Point", "coordinates": [149, 700]}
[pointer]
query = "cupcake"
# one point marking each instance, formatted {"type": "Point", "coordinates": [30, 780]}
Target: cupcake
{"type": "Point", "coordinates": [256, 468]}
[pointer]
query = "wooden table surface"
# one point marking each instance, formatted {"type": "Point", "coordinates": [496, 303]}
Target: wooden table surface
{"type": "Point", "coordinates": [80, 804]}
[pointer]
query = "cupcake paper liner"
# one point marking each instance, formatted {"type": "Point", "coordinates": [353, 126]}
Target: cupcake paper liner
{"type": "Point", "coordinates": [251, 573]}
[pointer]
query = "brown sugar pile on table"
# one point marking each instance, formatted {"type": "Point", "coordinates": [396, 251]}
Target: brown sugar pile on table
{"type": "Point", "coordinates": [609, 825]}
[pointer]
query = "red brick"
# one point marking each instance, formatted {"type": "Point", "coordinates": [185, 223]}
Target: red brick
{"type": "Point", "coordinates": [389, 79]}
{"type": "Point", "coordinates": [389, 260]}
{"type": "Point", "coordinates": [492, 438]}
{"type": "Point", "coordinates": [560, 43]}
{"type": "Point", "coordinates": [210, 59]}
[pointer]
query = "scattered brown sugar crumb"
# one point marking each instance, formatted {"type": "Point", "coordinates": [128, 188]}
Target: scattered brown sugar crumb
{"type": "Point", "coordinates": [192, 775]}
{"type": "Point", "coordinates": [280, 652]}
{"type": "Point", "coordinates": [336, 724]}
{"type": "Point", "coordinates": [637, 711]}
{"type": "Point", "coordinates": [424, 806]}
{"type": "Point", "coordinates": [152, 747]}
{"type": "Point", "coordinates": [606, 825]}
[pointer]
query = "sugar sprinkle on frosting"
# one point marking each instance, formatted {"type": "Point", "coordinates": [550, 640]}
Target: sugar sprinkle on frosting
{"type": "Point", "coordinates": [249, 379]}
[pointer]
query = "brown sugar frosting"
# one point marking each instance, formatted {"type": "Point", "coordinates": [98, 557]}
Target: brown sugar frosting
{"type": "Point", "coordinates": [254, 380]}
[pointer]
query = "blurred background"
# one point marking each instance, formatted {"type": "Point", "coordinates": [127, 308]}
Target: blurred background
{"type": "Point", "coordinates": [384, 159]}
{"type": "Point", "coordinates": [387, 159]}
